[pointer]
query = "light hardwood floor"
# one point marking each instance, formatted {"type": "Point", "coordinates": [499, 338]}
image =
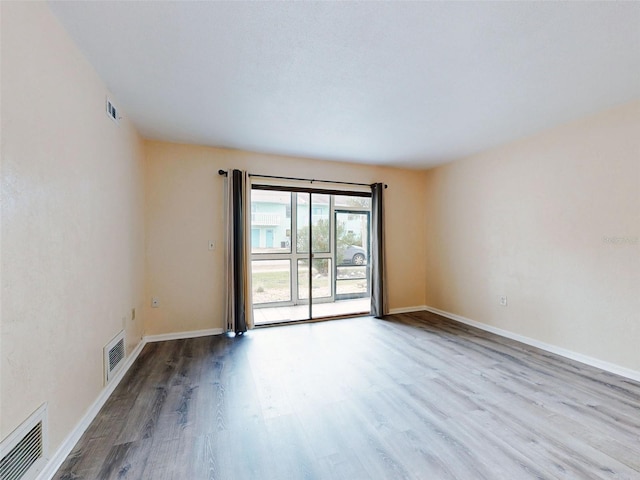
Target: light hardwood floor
{"type": "Point", "coordinates": [414, 396]}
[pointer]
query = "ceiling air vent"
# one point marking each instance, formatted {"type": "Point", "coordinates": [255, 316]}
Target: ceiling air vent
{"type": "Point", "coordinates": [22, 452]}
{"type": "Point", "coordinates": [113, 356]}
{"type": "Point", "coordinates": [112, 111]}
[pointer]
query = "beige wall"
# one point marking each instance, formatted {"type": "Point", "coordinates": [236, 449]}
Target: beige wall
{"type": "Point", "coordinates": [72, 227]}
{"type": "Point", "coordinates": [552, 222]}
{"type": "Point", "coordinates": [184, 210]}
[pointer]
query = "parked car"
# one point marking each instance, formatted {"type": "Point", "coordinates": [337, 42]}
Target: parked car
{"type": "Point", "coordinates": [354, 255]}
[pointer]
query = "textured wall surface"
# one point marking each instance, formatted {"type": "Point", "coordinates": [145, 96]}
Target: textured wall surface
{"type": "Point", "coordinates": [184, 210]}
{"type": "Point", "coordinates": [72, 226]}
{"type": "Point", "coordinates": [553, 223]}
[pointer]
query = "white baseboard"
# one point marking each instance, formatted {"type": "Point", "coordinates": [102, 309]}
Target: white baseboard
{"type": "Point", "coordinates": [63, 451]}
{"type": "Point", "coordinates": [181, 335]}
{"type": "Point", "coordinates": [419, 308]}
{"type": "Point", "coordinates": [56, 460]}
{"type": "Point", "coordinates": [563, 352]}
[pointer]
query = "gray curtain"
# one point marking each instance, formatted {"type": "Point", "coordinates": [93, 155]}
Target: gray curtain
{"type": "Point", "coordinates": [378, 290]}
{"type": "Point", "coordinates": [236, 315]}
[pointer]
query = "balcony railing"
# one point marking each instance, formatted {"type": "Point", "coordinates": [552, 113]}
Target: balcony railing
{"type": "Point", "coordinates": [270, 219]}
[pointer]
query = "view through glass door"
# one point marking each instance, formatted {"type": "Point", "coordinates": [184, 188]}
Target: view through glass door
{"type": "Point", "coordinates": [352, 274]}
{"type": "Point", "coordinates": [293, 230]}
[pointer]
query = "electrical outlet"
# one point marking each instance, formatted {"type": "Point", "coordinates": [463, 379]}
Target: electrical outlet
{"type": "Point", "coordinates": [503, 300]}
{"type": "Point", "coordinates": [212, 245]}
{"type": "Point", "coordinates": [155, 302]}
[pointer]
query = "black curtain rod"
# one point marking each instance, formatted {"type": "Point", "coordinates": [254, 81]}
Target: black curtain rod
{"type": "Point", "coordinates": [223, 172]}
{"type": "Point", "coordinates": [310, 180]}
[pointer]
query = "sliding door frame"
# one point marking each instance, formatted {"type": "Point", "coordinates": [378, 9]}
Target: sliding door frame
{"type": "Point", "coordinates": [293, 255]}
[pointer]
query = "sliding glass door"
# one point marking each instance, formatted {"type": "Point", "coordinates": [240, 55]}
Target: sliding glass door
{"type": "Point", "coordinates": [310, 255]}
{"type": "Point", "coordinates": [352, 274]}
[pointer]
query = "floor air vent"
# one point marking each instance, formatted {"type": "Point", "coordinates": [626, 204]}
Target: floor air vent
{"type": "Point", "coordinates": [113, 356]}
{"type": "Point", "coordinates": [22, 453]}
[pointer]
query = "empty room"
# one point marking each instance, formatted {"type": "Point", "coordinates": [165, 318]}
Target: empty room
{"type": "Point", "coordinates": [325, 240]}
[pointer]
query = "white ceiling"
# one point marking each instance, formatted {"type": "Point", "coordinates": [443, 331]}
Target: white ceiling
{"type": "Point", "coordinates": [407, 83]}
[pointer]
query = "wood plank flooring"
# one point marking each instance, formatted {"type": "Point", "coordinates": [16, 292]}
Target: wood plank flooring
{"type": "Point", "coordinates": [415, 396]}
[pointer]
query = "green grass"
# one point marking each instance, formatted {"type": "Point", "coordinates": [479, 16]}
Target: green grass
{"type": "Point", "coordinates": [268, 280]}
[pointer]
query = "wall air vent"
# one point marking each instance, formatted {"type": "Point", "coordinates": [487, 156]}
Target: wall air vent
{"type": "Point", "coordinates": [114, 353]}
{"type": "Point", "coordinates": [22, 454]}
{"type": "Point", "coordinates": [113, 111]}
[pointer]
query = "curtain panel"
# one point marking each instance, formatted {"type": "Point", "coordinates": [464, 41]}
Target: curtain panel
{"type": "Point", "coordinates": [379, 306]}
{"type": "Point", "coordinates": [238, 316]}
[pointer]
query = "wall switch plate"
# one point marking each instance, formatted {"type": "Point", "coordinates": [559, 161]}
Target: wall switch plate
{"type": "Point", "coordinates": [212, 245]}
{"type": "Point", "coordinates": [503, 300]}
{"type": "Point", "coordinates": [155, 302]}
